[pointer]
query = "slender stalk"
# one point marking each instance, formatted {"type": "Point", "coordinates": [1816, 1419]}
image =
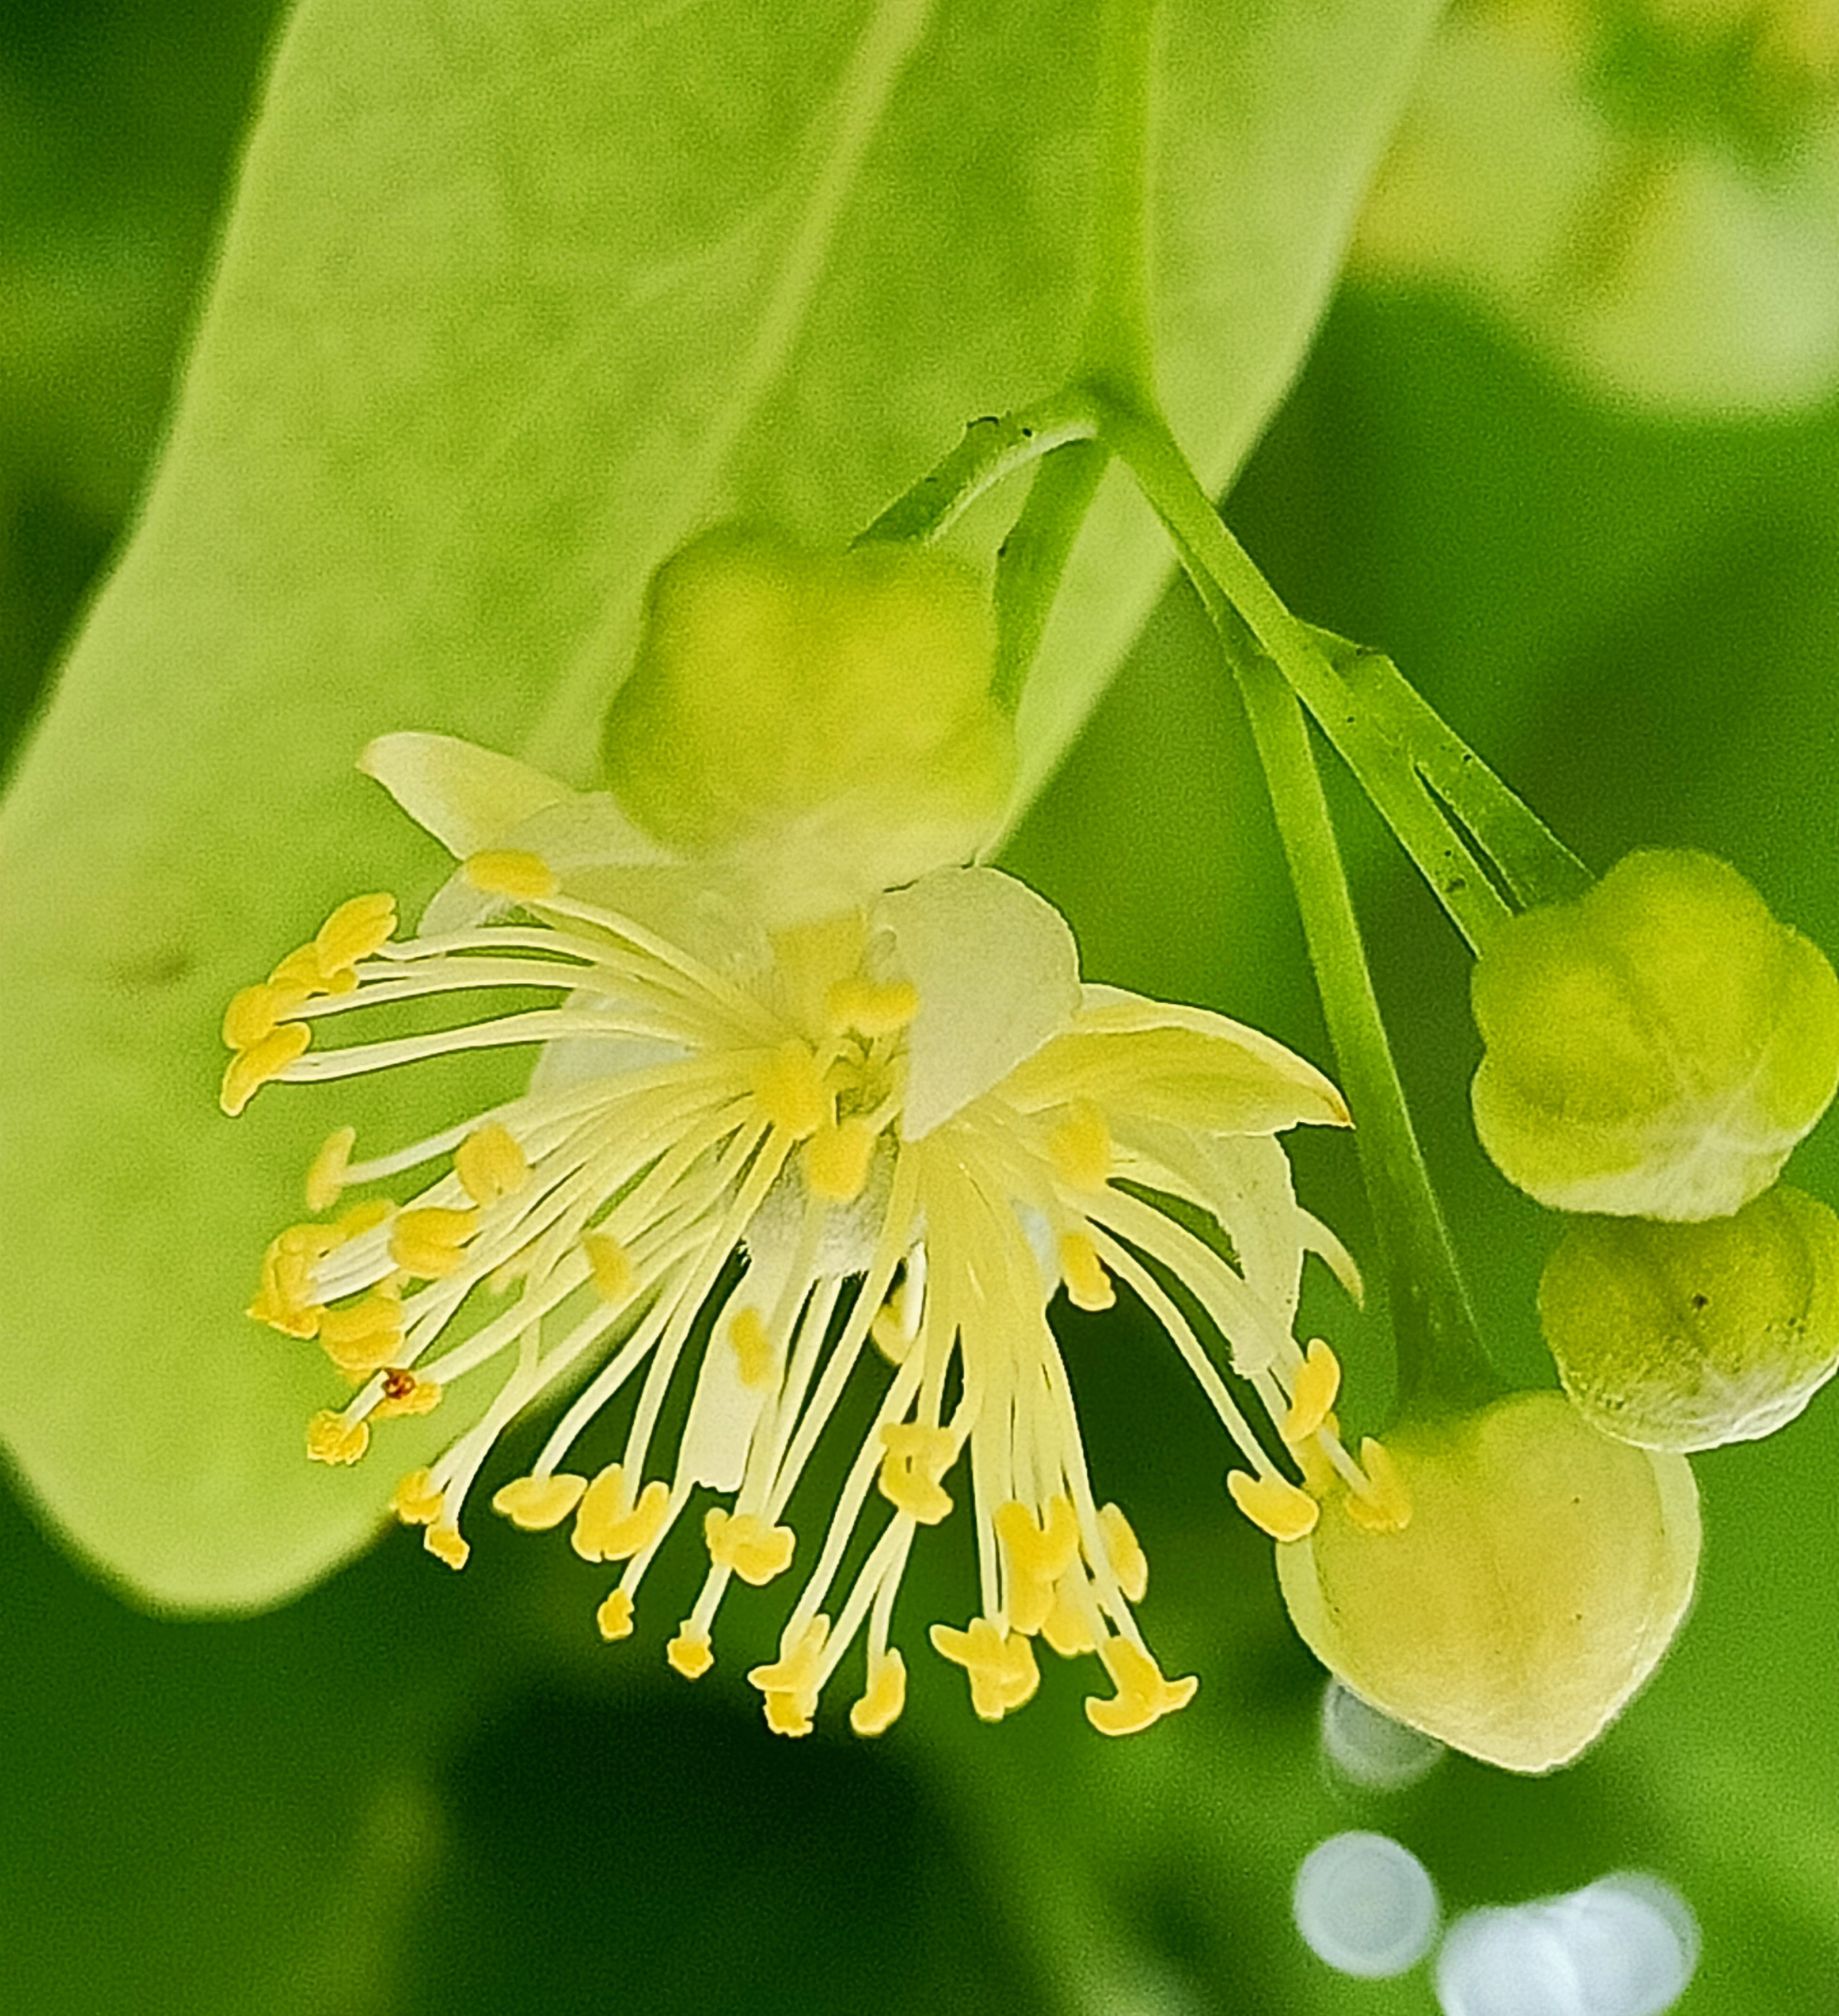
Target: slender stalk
{"type": "Point", "coordinates": [1116, 350]}
{"type": "Point", "coordinates": [1032, 559]}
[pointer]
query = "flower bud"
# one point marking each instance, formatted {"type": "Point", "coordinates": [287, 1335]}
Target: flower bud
{"type": "Point", "coordinates": [1683, 1337]}
{"type": "Point", "coordinates": [819, 721]}
{"type": "Point", "coordinates": [1542, 1575]}
{"type": "Point", "coordinates": [1655, 1049]}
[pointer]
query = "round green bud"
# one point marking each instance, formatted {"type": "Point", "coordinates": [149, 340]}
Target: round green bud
{"type": "Point", "coordinates": [820, 722]}
{"type": "Point", "coordinates": [1539, 1581]}
{"type": "Point", "coordinates": [1684, 1337]}
{"type": "Point", "coordinates": [1655, 1049]}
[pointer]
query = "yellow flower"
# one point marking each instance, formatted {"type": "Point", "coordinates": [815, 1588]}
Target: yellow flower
{"type": "Point", "coordinates": [872, 1147]}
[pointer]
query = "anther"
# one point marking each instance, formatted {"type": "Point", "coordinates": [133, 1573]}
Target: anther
{"type": "Point", "coordinates": [444, 1541]}
{"type": "Point", "coordinates": [744, 1542]}
{"type": "Point", "coordinates": [1123, 1552]}
{"type": "Point", "coordinates": [331, 1438]}
{"type": "Point", "coordinates": [614, 1617]}
{"type": "Point", "coordinates": [1087, 1283]}
{"type": "Point", "coordinates": [791, 1094]}
{"type": "Point", "coordinates": [1385, 1506]}
{"type": "Point", "coordinates": [689, 1653]}
{"type": "Point", "coordinates": [753, 1347]}
{"type": "Point", "coordinates": [871, 1008]}
{"type": "Point", "coordinates": [250, 1070]}
{"type": "Point", "coordinates": [1275, 1506]}
{"type": "Point", "coordinates": [414, 1500]}
{"type": "Point", "coordinates": [534, 1504]}
{"type": "Point", "coordinates": [428, 1242]}
{"type": "Point", "coordinates": [1080, 1147]}
{"type": "Point", "coordinates": [836, 1160]}
{"type": "Point", "coordinates": [886, 1696]}
{"type": "Point", "coordinates": [353, 931]}
{"type": "Point", "coordinates": [614, 1274]}
{"type": "Point", "coordinates": [325, 1179]}
{"type": "Point", "coordinates": [999, 1663]}
{"type": "Point", "coordinates": [490, 1164]}
{"type": "Point", "coordinates": [1317, 1385]}
{"type": "Point", "coordinates": [609, 1527]}
{"type": "Point", "coordinates": [1142, 1697]}
{"type": "Point", "coordinates": [510, 872]}
{"type": "Point", "coordinates": [918, 1456]}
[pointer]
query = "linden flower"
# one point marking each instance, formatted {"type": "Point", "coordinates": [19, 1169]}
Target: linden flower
{"type": "Point", "coordinates": [877, 1144]}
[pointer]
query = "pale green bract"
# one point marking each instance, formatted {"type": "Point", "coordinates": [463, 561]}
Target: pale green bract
{"type": "Point", "coordinates": [512, 299]}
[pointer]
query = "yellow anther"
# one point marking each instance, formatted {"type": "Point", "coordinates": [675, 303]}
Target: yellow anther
{"type": "Point", "coordinates": [885, 1698]}
{"type": "Point", "coordinates": [790, 1683]}
{"type": "Point", "coordinates": [353, 931]}
{"type": "Point", "coordinates": [614, 1274]}
{"type": "Point", "coordinates": [405, 1394]}
{"type": "Point", "coordinates": [331, 1438]}
{"type": "Point", "coordinates": [1080, 1147]}
{"type": "Point", "coordinates": [365, 1337]}
{"type": "Point", "coordinates": [1000, 1665]}
{"type": "Point", "coordinates": [300, 970]}
{"type": "Point", "coordinates": [508, 871]}
{"type": "Point", "coordinates": [1142, 1697]}
{"type": "Point", "coordinates": [744, 1542]}
{"type": "Point", "coordinates": [753, 1347]}
{"type": "Point", "coordinates": [253, 1014]}
{"type": "Point", "coordinates": [490, 1164]}
{"type": "Point", "coordinates": [1088, 1286]}
{"type": "Point", "coordinates": [1124, 1553]}
{"type": "Point", "coordinates": [836, 1160]}
{"type": "Point", "coordinates": [326, 1177]}
{"type": "Point", "coordinates": [428, 1242]}
{"type": "Point", "coordinates": [1274, 1505]}
{"type": "Point", "coordinates": [609, 1527]}
{"type": "Point", "coordinates": [791, 1094]}
{"type": "Point", "coordinates": [1068, 1625]}
{"type": "Point", "coordinates": [279, 1301]}
{"type": "Point", "coordinates": [1040, 1552]}
{"type": "Point", "coordinates": [443, 1540]}
{"type": "Point", "coordinates": [788, 1714]}
{"type": "Point", "coordinates": [871, 1007]}
{"type": "Point", "coordinates": [534, 1504]}
{"type": "Point", "coordinates": [250, 1070]}
{"type": "Point", "coordinates": [364, 1218]}
{"type": "Point", "coordinates": [918, 1456]}
{"type": "Point", "coordinates": [414, 1500]}
{"type": "Point", "coordinates": [614, 1617]}
{"type": "Point", "coordinates": [1317, 1385]}
{"type": "Point", "coordinates": [689, 1653]}
{"type": "Point", "coordinates": [892, 1338]}
{"type": "Point", "coordinates": [1320, 1476]}
{"type": "Point", "coordinates": [1385, 1506]}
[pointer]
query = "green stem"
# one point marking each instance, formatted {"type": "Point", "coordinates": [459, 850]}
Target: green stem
{"type": "Point", "coordinates": [1032, 559]}
{"type": "Point", "coordinates": [1441, 1360]}
{"type": "Point", "coordinates": [1116, 350]}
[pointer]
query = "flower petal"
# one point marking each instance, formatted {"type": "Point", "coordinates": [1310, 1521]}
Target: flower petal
{"type": "Point", "coordinates": [998, 975]}
{"type": "Point", "coordinates": [1187, 1066]}
{"type": "Point", "coordinates": [468, 797]}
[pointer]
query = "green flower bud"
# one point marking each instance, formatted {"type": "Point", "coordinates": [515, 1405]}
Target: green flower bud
{"type": "Point", "coordinates": [1655, 1049]}
{"type": "Point", "coordinates": [1683, 1337]}
{"type": "Point", "coordinates": [820, 722]}
{"type": "Point", "coordinates": [1540, 1577]}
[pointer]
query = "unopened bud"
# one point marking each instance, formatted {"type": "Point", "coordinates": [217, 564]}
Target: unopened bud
{"type": "Point", "coordinates": [821, 721]}
{"type": "Point", "coordinates": [1655, 1049]}
{"type": "Point", "coordinates": [1541, 1578]}
{"type": "Point", "coordinates": [1684, 1337]}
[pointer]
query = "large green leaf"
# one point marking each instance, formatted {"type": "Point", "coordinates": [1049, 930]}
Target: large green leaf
{"type": "Point", "coordinates": [512, 299]}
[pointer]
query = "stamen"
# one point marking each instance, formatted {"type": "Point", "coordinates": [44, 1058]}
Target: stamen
{"type": "Point", "coordinates": [871, 1008]}
{"type": "Point", "coordinates": [614, 1274]}
{"type": "Point", "coordinates": [491, 1164]}
{"type": "Point", "coordinates": [836, 1160]}
{"type": "Point", "coordinates": [1088, 1286]}
{"type": "Point", "coordinates": [791, 1683]}
{"type": "Point", "coordinates": [1276, 1507]}
{"type": "Point", "coordinates": [353, 931]}
{"type": "Point", "coordinates": [689, 1653]}
{"type": "Point", "coordinates": [614, 1617]}
{"type": "Point", "coordinates": [744, 1542]}
{"type": "Point", "coordinates": [253, 1014]}
{"type": "Point", "coordinates": [444, 1541]}
{"type": "Point", "coordinates": [331, 1438]}
{"type": "Point", "coordinates": [1144, 1695]}
{"type": "Point", "coordinates": [428, 1241]}
{"type": "Point", "coordinates": [609, 1527]}
{"type": "Point", "coordinates": [1080, 1147]}
{"type": "Point", "coordinates": [791, 1091]}
{"type": "Point", "coordinates": [1000, 1665]}
{"type": "Point", "coordinates": [326, 1179]}
{"type": "Point", "coordinates": [880, 1705]}
{"type": "Point", "coordinates": [508, 871]}
{"type": "Point", "coordinates": [364, 1338]}
{"type": "Point", "coordinates": [414, 1501]}
{"type": "Point", "coordinates": [1317, 1384]}
{"type": "Point", "coordinates": [918, 1455]}
{"type": "Point", "coordinates": [1385, 1506]}
{"type": "Point", "coordinates": [1128, 1561]}
{"type": "Point", "coordinates": [250, 1070]}
{"type": "Point", "coordinates": [534, 1504]}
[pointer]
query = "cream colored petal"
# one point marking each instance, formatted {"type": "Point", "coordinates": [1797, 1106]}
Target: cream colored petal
{"type": "Point", "coordinates": [1187, 1067]}
{"type": "Point", "coordinates": [998, 976]}
{"type": "Point", "coordinates": [468, 797]}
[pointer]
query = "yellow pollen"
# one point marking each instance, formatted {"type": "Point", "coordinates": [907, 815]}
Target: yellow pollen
{"type": "Point", "coordinates": [405, 1394]}
{"type": "Point", "coordinates": [1000, 1665]}
{"type": "Point", "coordinates": [1080, 1147]}
{"type": "Point", "coordinates": [1142, 1694]}
{"type": "Point", "coordinates": [414, 1500]}
{"type": "Point", "coordinates": [1088, 1286]}
{"type": "Point", "coordinates": [891, 1336]}
{"type": "Point", "coordinates": [836, 1160]}
{"type": "Point", "coordinates": [614, 1617]}
{"type": "Point", "coordinates": [1385, 1506]}
{"type": "Point", "coordinates": [506, 871]}
{"type": "Point", "coordinates": [300, 970]}
{"type": "Point", "coordinates": [609, 1527]}
{"type": "Point", "coordinates": [353, 931]}
{"type": "Point", "coordinates": [1066, 1626]}
{"type": "Point", "coordinates": [250, 1070]}
{"type": "Point", "coordinates": [252, 1013]}
{"type": "Point", "coordinates": [443, 1540]}
{"type": "Point", "coordinates": [331, 1438]}
{"type": "Point", "coordinates": [791, 1094]}
{"type": "Point", "coordinates": [490, 1164]}
{"type": "Point", "coordinates": [689, 1653]}
{"type": "Point", "coordinates": [885, 1698]}
{"type": "Point", "coordinates": [1275, 1506]}
{"type": "Point", "coordinates": [1123, 1552]}
{"type": "Point", "coordinates": [326, 1177]}
{"type": "Point", "coordinates": [790, 1682]}
{"type": "Point", "coordinates": [365, 1337]}
{"type": "Point", "coordinates": [364, 1218]}
{"type": "Point", "coordinates": [614, 1274]}
{"type": "Point", "coordinates": [428, 1242]}
{"type": "Point", "coordinates": [744, 1542]}
{"type": "Point", "coordinates": [534, 1504]}
{"type": "Point", "coordinates": [1040, 1552]}
{"type": "Point", "coordinates": [918, 1456]}
{"type": "Point", "coordinates": [753, 1347]}
{"type": "Point", "coordinates": [1317, 1384]}
{"type": "Point", "coordinates": [871, 1007]}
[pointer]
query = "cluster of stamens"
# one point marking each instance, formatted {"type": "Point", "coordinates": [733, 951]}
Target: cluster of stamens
{"type": "Point", "coordinates": [585, 1228]}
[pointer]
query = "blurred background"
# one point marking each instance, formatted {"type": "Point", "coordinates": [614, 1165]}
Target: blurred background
{"type": "Point", "coordinates": [1607, 548]}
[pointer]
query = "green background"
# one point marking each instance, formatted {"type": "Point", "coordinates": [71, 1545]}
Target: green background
{"type": "Point", "coordinates": [409, 1791]}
